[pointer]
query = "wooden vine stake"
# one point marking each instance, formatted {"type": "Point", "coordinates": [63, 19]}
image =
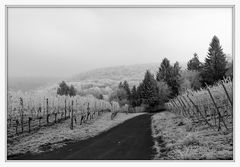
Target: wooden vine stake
{"type": "Point", "coordinates": [65, 109]}
{"type": "Point", "coordinates": [227, 93]}
{"type": "Point", "coordinates": [29, 124]}
{"type": "Point", "coordinates": [69, 108]}
{"type": "Point", "coordinates": [71, 127]}
{"type": "Point", "coordinates": [172, 105]}
{"type": "Point", "coordinates": [88, 111]}
{"type": "Point", "coordinates": [184, 106]}
{"type": "Point", "coordinates": [39, 117]}
{"type": "Point", "coordinates": [21, 111]}
{"type": "Point", "coordinates": [188, 106]}
{"type": "Point", "coordinates": [199, 112]}
{"type": "Point", "coordinates": [176, 106]}
{"type": "Point", "coordinates": [181, 107]}
{"type": "Point", "coordinates": [228, 98]}
{"type": "Point", "coordinates": [55, 114]}
{"type": "Point", "coordinates": [47, 113]}
{"type": "Point", "coordinates": [220, 118]}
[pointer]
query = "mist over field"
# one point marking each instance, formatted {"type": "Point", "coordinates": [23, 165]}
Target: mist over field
{"type": "Point", "coordinates": [64, 42]}
{"type": "Point", "coordinates": [101, 77]}
{"type": "Point", "coordinates": [30, 83]}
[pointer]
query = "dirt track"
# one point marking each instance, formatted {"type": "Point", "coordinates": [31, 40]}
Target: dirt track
{"type": "Point", "coordinates": [131, 140]}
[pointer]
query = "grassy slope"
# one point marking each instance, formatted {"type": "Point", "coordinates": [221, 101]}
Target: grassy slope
{"type": "Point", "coordinates": [177, 138]}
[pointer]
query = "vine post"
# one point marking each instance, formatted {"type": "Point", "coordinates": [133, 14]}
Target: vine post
{"type": "Point", "coordinates": [227, 93]}
{"type": "Point", "coordinates": [199, 112]}
{"type": "Point", "coordinates": [220, 118]}
{"type": "Point", "coordinates": [71, 127]}
{"type": "Point", "coordinates": [22, 112]}
{"type": "Point", "coordinates": [65, 109]}
{"type": "Point", "coordinates": [47, 112]}
{"type": "Point", "coordinates": [29, 124]}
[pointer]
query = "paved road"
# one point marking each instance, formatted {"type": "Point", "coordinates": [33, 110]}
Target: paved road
{"type": "Point", "coordinates": [128, 141]}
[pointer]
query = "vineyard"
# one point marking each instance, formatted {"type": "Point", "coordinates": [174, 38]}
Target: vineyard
{"type": "Point", "coordinates": [28, 113]}
{"type": "Point", "coordinates": [212, 105]}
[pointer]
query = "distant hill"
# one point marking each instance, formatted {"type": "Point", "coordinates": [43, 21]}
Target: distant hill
{"type": "Point", "coordinates": [105, 79]}
{"type": "Point", "coordinates": [132, 73]}
{"type": "Point", "coordinates": [119, 73]}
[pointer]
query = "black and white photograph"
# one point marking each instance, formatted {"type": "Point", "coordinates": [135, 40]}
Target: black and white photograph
{"type": "Point", "coordinates": [122, 83]}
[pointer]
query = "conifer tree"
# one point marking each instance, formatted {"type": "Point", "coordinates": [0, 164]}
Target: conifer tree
{"type": "Point", "coordinates": [164, 71]}
{"type": "Point", "coordinates": [149, 90]}
{"type": "Point", "coordinates": [214, 68]}
{"type": "Point", "coordinates": [139, 94]}
{"type": "Point", "coordinates": [125, 86]}
{"type": "Point", "coordinates": [194, 64]}
{"type": "Point", "coordinates": [120, 85]}
{"type": "Point", "coordinates": [170, 75]}
{"type": "Point", "coordinates": [175, 80]}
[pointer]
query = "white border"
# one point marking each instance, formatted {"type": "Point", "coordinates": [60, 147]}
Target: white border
{"type": "Point", "coordinates": [116, 2]}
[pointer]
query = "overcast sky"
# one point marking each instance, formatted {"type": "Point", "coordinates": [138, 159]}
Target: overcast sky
{"type": "Point", "coordinates": [62, 42]}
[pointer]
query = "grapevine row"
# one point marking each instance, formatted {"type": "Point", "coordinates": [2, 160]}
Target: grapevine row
{"type": "Point", "coordinates": [30, 112]}
{"type": "Point", "coordinates": [212, 105]}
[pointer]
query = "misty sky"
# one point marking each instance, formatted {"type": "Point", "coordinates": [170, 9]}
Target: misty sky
{"type": "Point", "coordinates": [47, 42]}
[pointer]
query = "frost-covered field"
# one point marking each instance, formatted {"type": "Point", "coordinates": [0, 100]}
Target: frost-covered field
{"type": "Point", "coordinates": [49, 138]}
{"type": "Point", "coordinates": [178, 138]}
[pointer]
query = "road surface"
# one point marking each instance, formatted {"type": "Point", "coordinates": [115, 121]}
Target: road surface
{"type": "Point", "coordinates": [130, 140]}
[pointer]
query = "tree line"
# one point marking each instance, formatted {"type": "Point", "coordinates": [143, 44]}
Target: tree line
{"type": "Point", "coordinates": [169, 79]}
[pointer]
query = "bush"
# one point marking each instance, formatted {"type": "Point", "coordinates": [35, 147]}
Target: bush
{"type": "Point", "coordinates": [164, 92]}
{"type": "Point", "coordinates": [64, 89]}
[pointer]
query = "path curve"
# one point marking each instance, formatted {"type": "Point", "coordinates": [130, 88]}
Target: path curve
{"type": "Point", "coordinates": [130, 140]}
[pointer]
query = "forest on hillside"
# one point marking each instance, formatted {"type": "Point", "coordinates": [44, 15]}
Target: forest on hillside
{"type": "Point", "coordinates": [170, 81]}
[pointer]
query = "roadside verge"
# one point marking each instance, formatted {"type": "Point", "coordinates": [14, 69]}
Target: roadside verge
{"type": "Point", "coordinates": [177, 138]}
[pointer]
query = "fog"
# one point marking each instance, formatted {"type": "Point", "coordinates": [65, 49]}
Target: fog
{"type": "Point", "coordinates": [61, 42]}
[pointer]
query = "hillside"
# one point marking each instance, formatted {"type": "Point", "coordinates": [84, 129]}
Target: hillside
{"type": "Point", "coordinates": [119, 73]}
{"type": "Point", "coordinates": [111, 76]}
{"type": "Point", "coordinates": [105, 79]}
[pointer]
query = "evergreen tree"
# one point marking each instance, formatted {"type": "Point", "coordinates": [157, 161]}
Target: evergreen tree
{"type": "Point", "coordinates": [120, 85]}
{"type": "Point", "coordinates": [149, 90]}
{"type": "Point", "coordinates": [194, 63]}
{"type": "Point", "coordinates": [175, 79]}
{"type": "Point", "coordinates": [125, 86]}
{"type": "Point", "coordinates": [214, 68]}
{"type": "Point", "coordinates": [164, 71]}
{"type": "Point", "coordinates": [139, 94]}
{"type": "Point", "coordinates": [170, 75]}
